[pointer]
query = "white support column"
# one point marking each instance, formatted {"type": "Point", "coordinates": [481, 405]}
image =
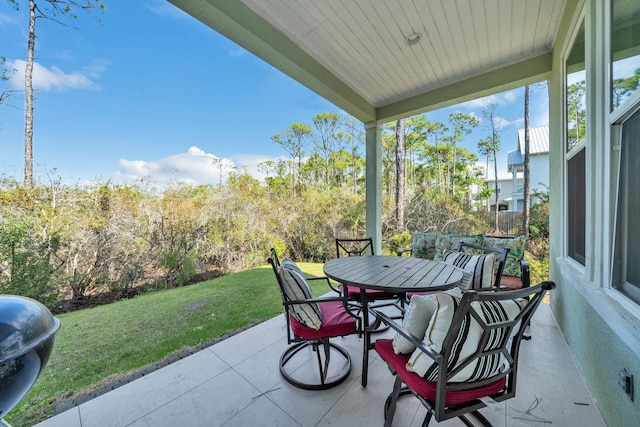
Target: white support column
{"type": "Point", "coordinates": [374, 183]}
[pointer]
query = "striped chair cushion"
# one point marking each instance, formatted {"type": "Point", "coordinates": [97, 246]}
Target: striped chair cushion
{"type": "Point", "coordinates": [477, 269]}
{"type": "Point", "coordinates": [467, 340]}
{"type": "Point", "coordinates": [297, 288]}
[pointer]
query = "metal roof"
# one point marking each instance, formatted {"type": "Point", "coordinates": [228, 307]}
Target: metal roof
{"type": "Point", "coordinates": [538, 140]}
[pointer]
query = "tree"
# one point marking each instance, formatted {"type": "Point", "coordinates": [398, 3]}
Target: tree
{"type": "Point", "coordinates": [326, 125]}
{"type": "Point", "coordinates": [526, 184]}
{"type": "Point", "coordinates": [414, 139]}
{"type": "Point", "coordinates": [436, 131]}
{"type": "Point", "coordinates": [576, 114]}
{"type": "Point", "coordinates": [463, 124]}
{"type": "Point", "coordinates": [5, 75]}
{"type": "Point", "coordinates": [623, 88]}
{"type": "Point", "coordinates": [293, 141]}
{"type": "Point", "coordinates": [400, 173]}
{"type": "Point", "coordinates": [53, 10]}
{"type": "Point", "coordinates": [490, 147]}
{"type": "Point", "coordinates": [357, 138]}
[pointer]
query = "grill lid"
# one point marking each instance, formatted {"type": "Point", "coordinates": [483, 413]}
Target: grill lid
{"type": "Point", "coordinates": [24, 325]}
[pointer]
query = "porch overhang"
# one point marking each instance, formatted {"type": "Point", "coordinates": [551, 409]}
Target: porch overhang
{"type": "Point", "coordinates": [242, 25]}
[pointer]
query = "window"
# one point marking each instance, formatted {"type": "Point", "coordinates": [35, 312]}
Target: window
{"type": "Point", "coordinates": [625, 56]}
{"type": "Point", "coordinates": [626, 268]}
{"type": "Point", "coordinates": [576, 206]}
{"type": "Point", "coordinates": [576, 130]}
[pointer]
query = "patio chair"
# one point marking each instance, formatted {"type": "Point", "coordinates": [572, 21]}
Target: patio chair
{"type": "Point", "coordinates": [311, 323]}
{"type": "Point", "coordinates": [359, 247]}
{"type": "Point", "coordinates": [478, 263]}
{"type": "Point", "coordinates": [500, 259]}
{"type": "Point", "coordinates": [469, 356]}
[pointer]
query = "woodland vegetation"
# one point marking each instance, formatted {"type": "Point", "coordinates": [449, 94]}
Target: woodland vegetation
{"type": "Point", "coordinates": [65, 245]}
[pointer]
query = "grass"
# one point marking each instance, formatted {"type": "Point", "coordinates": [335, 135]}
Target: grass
{"type": "Point", "coordinates": [100, 345]}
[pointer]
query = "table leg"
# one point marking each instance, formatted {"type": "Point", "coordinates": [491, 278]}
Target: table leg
{"type": "Point", "coordinates": [366, 338]}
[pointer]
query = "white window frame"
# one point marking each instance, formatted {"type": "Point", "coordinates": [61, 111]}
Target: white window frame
{"type": "Point", "coordinates": [618, 121]}
{"type": "Point", "coordinates": [568, 155]}
{"type": "Point", "coordinates": [617, 118]}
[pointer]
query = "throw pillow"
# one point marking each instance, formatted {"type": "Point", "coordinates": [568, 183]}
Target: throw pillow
{"type": "Point", "coordinates": [296, 287]}
{"type": "Point", "coordinates": [467, 340]}
{"type": "Point", "coordinates": [423, 245]}
{"type": "Point", "coordinates": [416, 319]}
{"type": "Point", "coordinates": [516, 252]}
{"type": "Point", "coordinates": [477, 269]}
{"type": "Point", "coordinates": [450, 242]}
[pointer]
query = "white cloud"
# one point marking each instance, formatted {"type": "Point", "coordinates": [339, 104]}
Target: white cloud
{"type": "Point", "coordinates": [55, 79]}
{"type": "Point", "coordinates": [237, 52]}
{"type": "Point", "coordinates": [510, 97]}
{"type": "Point", "coordinates": [193, 167]}
{"type": "Point", "coordinates": [7, 20]}
{"type": "Point", "coordinates": [503, 123]}
{"type": "Point", "coordinates": [162, 8]}
{"type": "Point", "coordinates": [500, 99]}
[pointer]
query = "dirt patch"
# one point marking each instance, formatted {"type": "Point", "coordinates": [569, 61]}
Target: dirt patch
{"type": "Point", "coordinates": [102, 298]}
{"type": "Point", "coordinates": [190, 308]}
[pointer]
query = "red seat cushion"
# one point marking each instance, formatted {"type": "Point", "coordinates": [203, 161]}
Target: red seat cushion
{"type": "Point", "coordinates": [426, 388]}
{"type": "Point", "coordinates": [511, 282]}
{"type": "Point", "coordinates": [354, 292]}
{"type": "Point", "coordinates": [335, 322]}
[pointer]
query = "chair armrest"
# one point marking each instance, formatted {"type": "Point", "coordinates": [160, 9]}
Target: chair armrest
{"type": "Point", "coordinates": [318, 278]}
{"type": "Point", "coordinates": [350, 309]}
{"type": "Point", "coordinates": [328, 282]}
{"type": "Point", "coordinates": [402, 251]}
{"type": "Point", "coordinates": [314, 300]}
{"type": "Point", "coordinates": [402, 331]}
{"type": "Point", "coordinates": [526, 276]}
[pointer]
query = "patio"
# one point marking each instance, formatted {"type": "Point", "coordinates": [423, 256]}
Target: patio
{"type": "Point", "coordinates": [236, 382]}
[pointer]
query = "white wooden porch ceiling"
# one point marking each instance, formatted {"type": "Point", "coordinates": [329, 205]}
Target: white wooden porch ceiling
{"type": "Point", "coordinates": [362, 42]}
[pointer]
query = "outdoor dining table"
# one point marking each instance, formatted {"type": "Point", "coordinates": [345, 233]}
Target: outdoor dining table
{"type": "Point", "coordinates": [395, 274]}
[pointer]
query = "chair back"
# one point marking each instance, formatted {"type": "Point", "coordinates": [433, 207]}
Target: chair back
{"type": "Point", "coordinates": [354, 247]}
{"type": "Point", "coordinates": [500, 254]}
{"type": "Point", "coordinates": [275, 264]}
{"type": "Point", "coordinates": [486, 329]}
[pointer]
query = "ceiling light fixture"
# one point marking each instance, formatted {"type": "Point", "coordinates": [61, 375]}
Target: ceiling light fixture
{"type": "Point", "coordinates": [413, 38]}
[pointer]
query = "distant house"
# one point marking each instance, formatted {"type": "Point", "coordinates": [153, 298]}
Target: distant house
{"type": "Point", "coordinates": [505, 191]}
{"type": "Point", "coordinates": [511, 184]}
{"type": "Point", "coordinates": [538, 166]}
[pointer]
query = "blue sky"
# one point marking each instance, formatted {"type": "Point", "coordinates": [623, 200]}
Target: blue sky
{"type": "Point", "coordinates": [150, 91]}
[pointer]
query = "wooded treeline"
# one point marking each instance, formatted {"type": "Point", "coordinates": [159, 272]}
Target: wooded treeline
{"type": "Point", "coordinates": [60, 241]}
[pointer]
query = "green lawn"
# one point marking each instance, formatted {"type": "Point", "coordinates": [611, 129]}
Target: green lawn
{"type": "Point", "coordinates": [100, 345]}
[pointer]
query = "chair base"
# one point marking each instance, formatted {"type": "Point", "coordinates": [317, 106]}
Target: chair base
{"type": "Point", "coordinates": [404, 391]}
{"type": "Point", "coordinates": [326, 376]}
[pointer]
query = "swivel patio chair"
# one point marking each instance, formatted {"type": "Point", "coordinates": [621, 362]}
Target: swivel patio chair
{"type": "Point", "coordinates": [311, 323]}
{"type": "Point", "coordinates": [469, 355]}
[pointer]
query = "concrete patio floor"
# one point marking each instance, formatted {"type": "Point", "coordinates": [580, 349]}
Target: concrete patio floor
{"type": "Point", "coordinates": [236, 382]}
